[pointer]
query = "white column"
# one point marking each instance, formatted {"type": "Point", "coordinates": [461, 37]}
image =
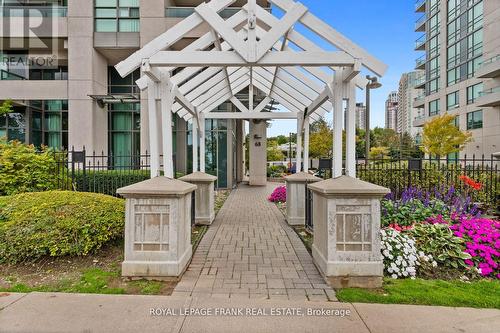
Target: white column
{"type": "Point", "coordinates": [351, 131]}
{"type": "Point", "coordinates": [299, 145]}
{"type": "Point", "coordinates": [154, 138]}
{"type": "Point", "coordinates": [202, 143]}
{"type": "Point", "coordinates": [337, 124]}
{"type": "Point", "coordinates": [306, 144]}
{"type": "Point", "coordinates": [195, 136]}
{"type": "Point", "coordinates": [167, 100]}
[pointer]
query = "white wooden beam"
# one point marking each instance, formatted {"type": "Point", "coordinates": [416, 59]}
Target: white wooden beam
{"type": "Point", "coordinates": [221, 99]}
{"type": "Point", "coordinates": [335, 38]}
{"type": "Point", "coordinates": [279, 29]}
{"type": "Point", "coordinates": [202, 143]}
{"type": "Point", "coordinates": [251, 115]}
{"type": "Point", "coordinates": [167, 94]}
{"type": "Point", "coordinates": [154, 135]}
{"type": "Point", "coordinates": [351, 73]}
{"type": "Point", "coordinates": [320, 100]}
{"type": "Point", "coordinates": [195, 137]}
{"type": "Point", "coordinates": [236, 102]}
{"type": "Point", "coordinates": [298, 157]}
{"type": "Point", "coordinates": [231, 58]}
{"type": "Point", "coordinates": [338, 111]}
{"type": "Point", "coordinates": [167, 38]}
{"type": "Point", "coordinates": [252, 33]}
{"type": "Point", "coordinates": [350, 130]}
{"type": "Point", "coordinates": [224, 30]}
{"type": "Point", "coordinates": [262, 104]}
{"type": "Point", "coordinates": [306, 144]}
{"type": "Point", "coordinates": [304, 44]}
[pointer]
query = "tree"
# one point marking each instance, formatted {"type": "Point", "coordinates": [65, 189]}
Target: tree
{"type": "Point", "coordinates": [441, 137]}
{"type": "Point", "coordinates": [273, 152]}
{"type": "Point", "coordinates": [320, 139]}
{"type": "Point", "coordinates": [6, 107]}
{"type": "Point", "coordinates": [379, 152]}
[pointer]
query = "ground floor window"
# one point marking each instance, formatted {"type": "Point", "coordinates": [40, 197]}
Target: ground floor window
{"type": "Point", "coordinates": [37, 122]}
{"type": "Point", "coordinates": [124, 126]}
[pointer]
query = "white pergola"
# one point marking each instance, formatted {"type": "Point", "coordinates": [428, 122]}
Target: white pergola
{"type": "Point", "coordinates": [256, 50]}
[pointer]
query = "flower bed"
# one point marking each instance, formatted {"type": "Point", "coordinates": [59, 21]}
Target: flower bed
{"type": "Point", "coordinates": [447, 231]}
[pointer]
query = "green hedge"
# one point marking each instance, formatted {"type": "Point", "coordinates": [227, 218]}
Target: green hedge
{"type": "Point", "coordinates": [107, 181]}
{"type": "Point", "coordinates": [57, 223]}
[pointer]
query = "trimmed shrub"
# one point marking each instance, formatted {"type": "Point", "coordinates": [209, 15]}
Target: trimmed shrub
{"type": "Point", "coordinates": [57, 223]}
{"type": "Point", "coordinates": [107, 181]}
{"type": "Point", "coordinates": [23, 169]}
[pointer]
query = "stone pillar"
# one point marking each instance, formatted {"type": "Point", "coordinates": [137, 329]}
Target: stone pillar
{"type": "Point", "coordinates": [296, 196]}
{"type": "Point", "coordinates": [258, 152]}
{"type": "Point", "coordinates": [346, 219]}
{"type": "Point", "coordinates": [157, 228]}
{"type": "Point", "coordinates": [204, 196]}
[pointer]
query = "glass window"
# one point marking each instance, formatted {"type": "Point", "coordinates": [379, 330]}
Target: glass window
{"type": "Point", "coordinates": [56, 124]}
{"type": "Point", "coordinates": [453, 31]}
{"type": "Point", "coordinates": [453, 55]}
{"type": "Point", "coordinates": [475, 119]}
{"type": "Point", "coordinates": [453, 9]}
{"type": "Point", "coordinates": [434, 107]}
{"type": "Point", "coordinates": [452, 100]}
{"type": "Point", "coordinates": [453, 76]}
{"type": "Point", "coordinates": [117, 16]}
{"type": "Point", "coordinates": [473, 92]}
{"type": "Point", "coordinates": [433, 85]}
{"type": "Point", "coordinates": [433, 46]}
{"type": "Point", "coordinates": [434, 67]}
{"type": "Point", "coordinates": [475, 17]}
{"type": "Point", "coordinates": [473, 65]}
{"type": "Point", "coordinates": [475, 44]}
{"type": "Point", "coordinates": [434, 25]}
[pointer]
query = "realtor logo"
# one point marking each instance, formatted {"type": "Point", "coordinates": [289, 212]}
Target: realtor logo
{"type": "Point", "coordinates": [33, 28]}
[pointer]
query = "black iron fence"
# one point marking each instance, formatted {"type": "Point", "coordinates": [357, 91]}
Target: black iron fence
{"type": "Point", "coordinates": [431, 174]}
{"type": "Point", "coordinates": [308, 208]}
{"type": "Point", "coordinates": [99, 173]}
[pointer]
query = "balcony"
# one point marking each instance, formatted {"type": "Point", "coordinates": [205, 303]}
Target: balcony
{"type": "Point", "coordinates": [420, 43]}
{"type": "Point", "coordinates": [419, 121]}
{"type": "Point", "coordinates": [27, 11]}
{"type": "Point", "coordinates": [419, 101]}
{"type": "Point", "coordinates": [183, 12]}
{"type": "Point", "coordinates": [420, 6]}
{"type": "Point", "coordinates": [420, 82]}
{"type": "Point", "coordinates": [489, 97]}
{"type": "Point", "coordinates": [489, 68]}
{"type": "Point", "coordinates": [420, 62]}
{"type": "Point", "coordinates": [420, 24]}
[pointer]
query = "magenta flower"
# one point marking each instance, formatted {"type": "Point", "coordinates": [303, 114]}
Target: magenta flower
{"type": "Point", "coordinates": [278, 195]}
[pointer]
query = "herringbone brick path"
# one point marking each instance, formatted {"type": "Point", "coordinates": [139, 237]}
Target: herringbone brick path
{"type": "Point", "coordinates": [250, 251]}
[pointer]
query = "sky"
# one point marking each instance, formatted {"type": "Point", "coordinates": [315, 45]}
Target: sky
{"type": "Point", "coordinates": [385, 28]}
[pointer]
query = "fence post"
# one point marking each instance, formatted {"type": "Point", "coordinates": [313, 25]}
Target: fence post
{"type": "Point", "coordinates": [84, 171]}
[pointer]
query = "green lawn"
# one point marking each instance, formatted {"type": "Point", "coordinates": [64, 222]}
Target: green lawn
{"type": "Point", "coordinates": [476, 294]}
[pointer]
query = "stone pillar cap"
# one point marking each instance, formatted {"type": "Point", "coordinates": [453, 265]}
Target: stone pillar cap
{"type": "Point", "coordinates": [158, 186]}
{"type": "Point", "coordinates": [302, 177]}
{"type": "Point", "coordinates": [348, 185]}
{"type": "Point", "coordinates": [199, 177]}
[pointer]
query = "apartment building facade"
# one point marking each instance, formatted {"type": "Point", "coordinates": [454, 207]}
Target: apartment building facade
{"type": "Point", "coordinates": [407, 93]}
{"type": "Point", "coordinates": [361, 116]}
{"type": "Point", "coordinates": [461, 44]}
{"type": "Point", "coordinates": [391, 111]}
{"type": "Point", "coordinates": [78, 99]}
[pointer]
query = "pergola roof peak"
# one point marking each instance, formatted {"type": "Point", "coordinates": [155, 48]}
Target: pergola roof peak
{"type": "Point", "coordinates": [251, 49]}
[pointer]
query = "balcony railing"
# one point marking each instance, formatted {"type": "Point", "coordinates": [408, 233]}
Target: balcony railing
{"type": "Point", "coordinates": [183, 12]}
{"type": "Point", "coordinates": [419, 81]}
{"type": "Point", "coordinates": [489, 91]}
{"type": "Point", "coordinates": [420, 22]}
{"type": "Point", "coordinates": [490, 60]}
{"type": "Point", "coordinates": [419, 62]}
{"type": "Point", "coordinates": [25, 11]}
{"type": "Point", "coordinates": [419, 43]}
{"type": "Point", "coordinates": [419, 4]}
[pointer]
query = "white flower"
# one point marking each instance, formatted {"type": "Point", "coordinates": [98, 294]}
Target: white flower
{"type": "Point", "coordinates": [394, 276]}
{"type": "Point", "coordinates": [434, 264]}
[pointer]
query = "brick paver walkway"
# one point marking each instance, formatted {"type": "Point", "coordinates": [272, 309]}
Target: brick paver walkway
{"type": "Point", "coordinates": [250, 251]}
